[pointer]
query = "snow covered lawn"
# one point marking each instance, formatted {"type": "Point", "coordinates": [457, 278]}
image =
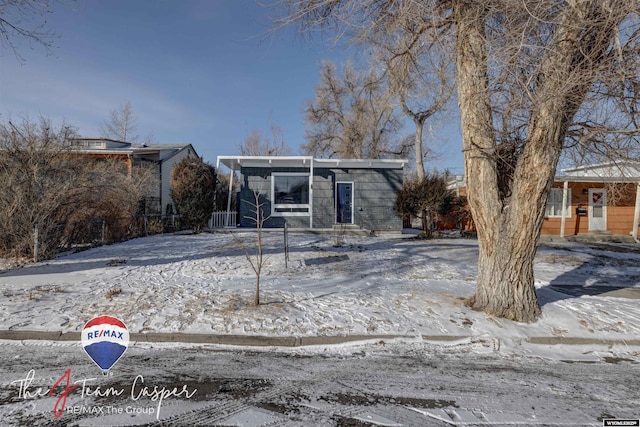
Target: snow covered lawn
{"type": "Point", "coordinates": [370, 285]}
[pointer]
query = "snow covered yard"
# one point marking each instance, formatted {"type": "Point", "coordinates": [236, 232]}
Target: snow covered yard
{"type": "Point", "coordinates": [370, 285]}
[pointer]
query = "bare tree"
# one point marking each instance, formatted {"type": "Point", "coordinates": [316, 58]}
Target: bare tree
{"type": "Point", "coordinates": [525, 70]}
{"type": "Point", "coordinates": [419, 69]}
{"type": "Point", "coordinates": [352, 116]}
{"type": "Point", "coordinates": [36, 177]}
{"type": "Point", "coordinates": [257, 259]}
{"type": "Point", "coordinates": [46, 185]}
{"type": "Point", "coordinates": [24, 20]}
{"type": "Point", "coordinates": [121, 125]}
{"type": "Point", "coordinates": [257, 144]}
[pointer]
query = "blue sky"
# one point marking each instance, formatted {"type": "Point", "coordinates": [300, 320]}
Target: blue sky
{"type": "Point", "coordinates": [201, 72]}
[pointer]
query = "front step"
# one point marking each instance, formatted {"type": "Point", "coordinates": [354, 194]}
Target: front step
{"type": "Point", "coordinates": [338, 227]}
{"type": "Point", "coordinates": [349, 229]}
{"type": "Point", "coordinates": [599, 233]}
{"type": "Point", "coordinates": [599, 236]}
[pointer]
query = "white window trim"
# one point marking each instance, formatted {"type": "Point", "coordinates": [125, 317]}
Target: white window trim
{"type": "Point", "coordinates": [559, 215]}
{"type": "Point", "coordinates": [275, 206]}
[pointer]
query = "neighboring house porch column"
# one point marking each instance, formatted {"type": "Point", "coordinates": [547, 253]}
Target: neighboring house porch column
{"type": "Point", "coordinates": [311, 194]}
{"type": "Point", "coordinates": [129, 163]}
{"type": "Point", "coordinates": [563, 218]}
{"type": "Point", "coordinates": [226, 221]}
{"type": "Point", "coordinates": [636, 215]}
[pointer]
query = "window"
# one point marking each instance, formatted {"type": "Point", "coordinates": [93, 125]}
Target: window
{"type": "Point", "coordinates": [290, 194]}
{"type": "Point", "coordinates": [554, 205]}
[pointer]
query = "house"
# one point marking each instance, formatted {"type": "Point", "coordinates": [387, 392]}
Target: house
{"type": "Point", "coordinates": [594, 199]}
{"type": "Point", "coordinates": [162, 157]}
{"type": "Point", "coordinates": [602, 198]}
{"type": "Point", "coordinates": [310, 193]}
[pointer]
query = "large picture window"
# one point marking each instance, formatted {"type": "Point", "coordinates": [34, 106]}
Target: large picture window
{"type": "Point", "coordinates": [554, 205]}
{"type": "Point", "coordinates": [290, 193]}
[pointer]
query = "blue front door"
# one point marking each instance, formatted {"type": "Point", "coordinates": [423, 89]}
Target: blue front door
{"type": "Point", "coordinates": [344, 203]}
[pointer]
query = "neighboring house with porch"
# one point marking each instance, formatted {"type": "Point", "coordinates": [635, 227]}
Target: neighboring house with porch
{"type": "Point", "coordinates": [161, 157]}
{"type": "Point", "coordinates": [602, 198]}
{"type": "Point", "coordinates": [596, 199]}
{"type": "Point", "coordinates": [310, 193]}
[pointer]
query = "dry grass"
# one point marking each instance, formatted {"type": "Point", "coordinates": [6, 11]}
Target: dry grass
{"type": "Point", "coordinates": [38, 292]}
{"type": "Point", "coordinates": [113, 292]}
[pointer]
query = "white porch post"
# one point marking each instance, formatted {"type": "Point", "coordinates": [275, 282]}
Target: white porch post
{"type": "Point", "coordinates": [226, 219]}
{"type": "Point", "coordinates": [636, 215]}
{"type": "Point", "coordinates": [311, 194]}
{"type": "Point", "coordinates": [563, 220]}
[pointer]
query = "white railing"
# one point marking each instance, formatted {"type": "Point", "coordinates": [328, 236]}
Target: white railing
{"type": "Point", "coordinates": [223, 220]}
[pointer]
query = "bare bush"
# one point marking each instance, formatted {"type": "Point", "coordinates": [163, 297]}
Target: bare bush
{"type": "Point", "coordinates": [193, 191]}
{"type": "Point", "coordinates": [37, 184]}
{"type": "Point", "coordinates": [425, 198]}
{"type": "Point", "coordinates": [50, 192]}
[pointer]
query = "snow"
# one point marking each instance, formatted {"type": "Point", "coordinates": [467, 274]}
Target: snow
{"type": "Point", "coordinates": [396, 382]}
{"type": "Point", "coordinates": [373, 285]}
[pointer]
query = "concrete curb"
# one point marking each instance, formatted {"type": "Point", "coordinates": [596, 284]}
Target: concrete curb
{"type": "Point", "coordinates": [289, 341]}
{"type": "Point", "coordinates": [232, 340]}
{"type": "Point", "coordinates": [580, 341]}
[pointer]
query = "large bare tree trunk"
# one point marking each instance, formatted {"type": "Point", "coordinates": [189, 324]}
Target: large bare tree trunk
{"type": "Point", "coordinates": [509, 224]}
{"type": "Point", "coordinates": [524, 69]}
{"type": "Point", "coordinates": [418, 148]}
{"type": "Point", "coordinates": [505, 266]}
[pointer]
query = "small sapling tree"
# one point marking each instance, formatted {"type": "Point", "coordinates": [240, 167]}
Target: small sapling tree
{"type": "Point", "coordinates": [255, 256]}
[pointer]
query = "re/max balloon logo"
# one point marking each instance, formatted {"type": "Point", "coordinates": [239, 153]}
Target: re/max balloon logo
{"type": "Point", "coordinates": [105, 333]}
{"type": "Point", "coordinates": [105, 339]}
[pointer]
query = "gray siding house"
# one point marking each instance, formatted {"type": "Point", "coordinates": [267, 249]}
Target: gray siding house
{"type": "Point", "coordinates": [310, 193]}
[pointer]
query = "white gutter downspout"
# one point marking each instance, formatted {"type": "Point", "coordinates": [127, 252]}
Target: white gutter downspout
{"type": "Point", "coordinates": [563, 219]}
{"type": "Point", "coordinates": [636, 215]}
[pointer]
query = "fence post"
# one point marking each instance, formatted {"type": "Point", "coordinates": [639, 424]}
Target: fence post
{"type": "Point", "coordinates": [103, 226]}
{"type": "Point", "coordinates": [146, 232]}
{"type": "Point", "coordinates": [286, 245]}
{"type": "Point", "coordinates": [35, 244]}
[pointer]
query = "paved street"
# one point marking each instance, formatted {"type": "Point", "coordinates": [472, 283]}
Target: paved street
{"type": "Point", "coordinates": [377, 384]}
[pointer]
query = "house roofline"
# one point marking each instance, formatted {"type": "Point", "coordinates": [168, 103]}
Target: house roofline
{"type": "Point", "coordinates": [236, 162]}
{"type": "Point", "coordinates": [620, 163]}
{"type": "Point", "coordinates": [572, 178]}
{"type": "Point", "coordinates": [177, 149]}
{"type": "Point", "coordinates": [562, 178]}
{"type": "Point", "coordinates": [101, 139]}
{"type": "Point", "coordinates": [110, 151]}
